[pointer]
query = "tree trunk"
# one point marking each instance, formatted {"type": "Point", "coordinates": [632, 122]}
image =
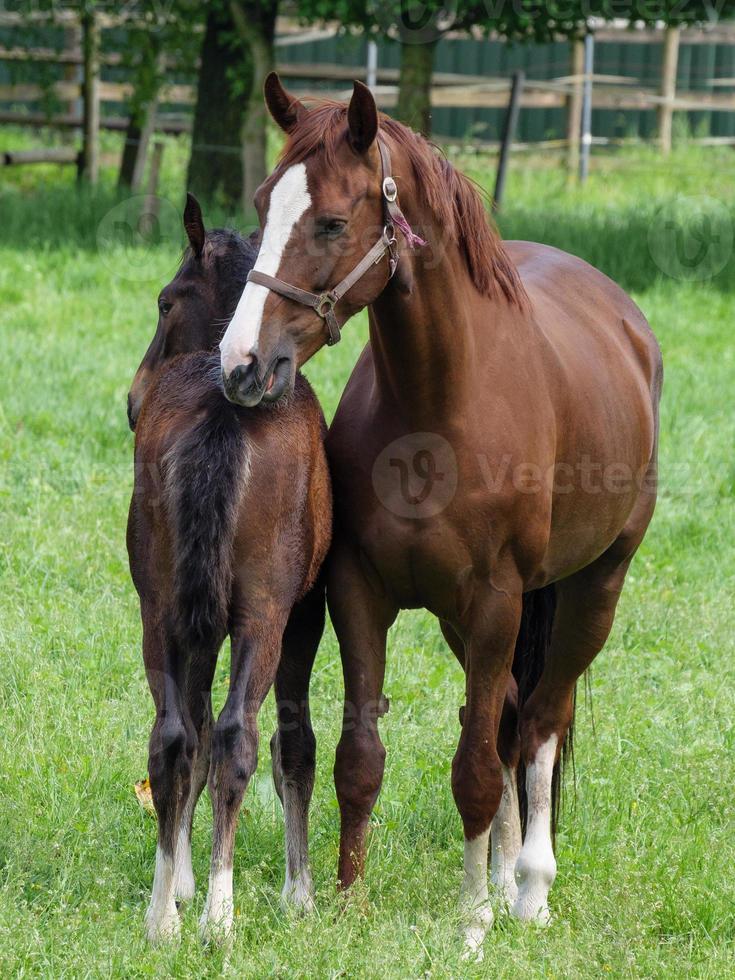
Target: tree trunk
{"type": "Point", "coordinates": [255, 21]}
{"type": "Point", "coordinates": [90, 155]}
{"type": "Point", "coordinates": [142, 114]}
{"type": "Point", "coordinates": [414, 86]}
{"type": "Point", "coordinates": [215, 164]}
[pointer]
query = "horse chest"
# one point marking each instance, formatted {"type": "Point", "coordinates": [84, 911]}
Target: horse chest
{"type": "Point", "coordinates": [419, 564]}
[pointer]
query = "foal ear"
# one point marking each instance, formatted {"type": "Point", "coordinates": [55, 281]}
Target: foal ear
{"type": "Point", "coordinates": [362, 118]}
{"type": "Point", "coordinates": [194, 225]}
{"type": "Point", "coordinates": [284, 107]}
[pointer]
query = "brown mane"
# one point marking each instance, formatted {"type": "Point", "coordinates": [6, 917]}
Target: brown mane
{"type": "Point", "coordinates": [454, 200]}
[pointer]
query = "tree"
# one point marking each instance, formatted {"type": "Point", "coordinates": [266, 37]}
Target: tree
{"type": "Point", "coordinates": [216, 165]}
{"type": "Point", "coordinates": [255, 22]}
{"type": "Point", "coordinates": [418, 26]}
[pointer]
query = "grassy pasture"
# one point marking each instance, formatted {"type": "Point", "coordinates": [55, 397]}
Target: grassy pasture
{"type": "Point", "coordinates": [646, 848]}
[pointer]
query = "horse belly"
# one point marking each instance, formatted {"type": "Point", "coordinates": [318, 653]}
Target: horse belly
{"type": "Point", "coordinates": [597, 487]}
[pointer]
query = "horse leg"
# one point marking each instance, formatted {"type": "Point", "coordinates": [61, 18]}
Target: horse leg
{"type": "Point", "coordinates": [293, 746]}
{"type": "Point", "coordinates": [505, 832]}
{"type": "Point", "coordinates": [477, 778]}
{"type": "Point", "coordinates": [199, 701]}
{"type": "Point", "coordinates": [454, 640]}
{"type": "Point", "coordinates": [361, 615]}
{"type": "Point", "coordinates": [255, 654]}
{"type": "Point", "coordinates": [170, 757]}
{"type": "Point", "coordinates": [585, 609]}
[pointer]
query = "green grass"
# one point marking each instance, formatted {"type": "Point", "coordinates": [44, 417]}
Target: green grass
{"type": "Point", "coordinates": [646, 849]}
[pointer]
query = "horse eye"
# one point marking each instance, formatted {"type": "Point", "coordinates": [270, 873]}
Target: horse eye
{"type": "Point", "coordinates": [331, 227]}
{"type": "Point", "coordinates": [164, 307]}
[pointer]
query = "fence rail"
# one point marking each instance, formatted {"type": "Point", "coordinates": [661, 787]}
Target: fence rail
{"type": "Point", "coordinates": [19, 103]}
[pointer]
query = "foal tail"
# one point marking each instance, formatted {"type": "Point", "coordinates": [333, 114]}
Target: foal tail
{"type": "Point", "coordinates": [532, 648]}
{"type": "Point", "coordinates": [204, 476]}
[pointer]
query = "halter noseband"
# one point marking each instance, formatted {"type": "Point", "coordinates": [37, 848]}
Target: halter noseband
{"type": "Point", "coordinates": [323, 303]}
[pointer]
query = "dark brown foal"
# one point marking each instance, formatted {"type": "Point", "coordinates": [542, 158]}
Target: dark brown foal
{"type": "Point", "coordinates": [229, 523]}
{"type": "Point", "coordinates": [493, 456]}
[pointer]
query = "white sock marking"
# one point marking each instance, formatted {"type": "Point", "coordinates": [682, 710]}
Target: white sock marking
{"type": "Point", "coordinates": [536, 866]}
{"type": "Point", "coordinates": [506, 840]}
{"type": "Point", "coordinates": [473, 895]}
{"type": "Point", "coordinates": [290, 198]}
{"type": "Point", "coordinates": [184, 886]}
{"type": "Point", "coordinates": [162, 919]}
{"type": "Point", "coordinates": [216, 921]}
{"type": "Point", "coordinates": [298, 890]}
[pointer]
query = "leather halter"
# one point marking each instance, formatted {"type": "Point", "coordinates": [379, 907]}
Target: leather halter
{"type": "Point", "coordinates": [323, 303]}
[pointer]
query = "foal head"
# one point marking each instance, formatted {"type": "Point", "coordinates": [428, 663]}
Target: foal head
{"type": "Point", "coordinates": [195, 306]}
{"type": "Point", "coordinates": [320, 212]}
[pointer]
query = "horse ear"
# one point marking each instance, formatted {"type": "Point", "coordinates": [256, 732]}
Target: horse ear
{"type": "Point", "coordinates": [194, 225]}
{"type": "Point", "coordinates": [285, 109]}
{"type": "Point", "coordinates": [362, 118]}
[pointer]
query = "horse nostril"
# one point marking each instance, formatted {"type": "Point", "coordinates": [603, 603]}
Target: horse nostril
{"type": "Point", "coordinates": [241, 374]}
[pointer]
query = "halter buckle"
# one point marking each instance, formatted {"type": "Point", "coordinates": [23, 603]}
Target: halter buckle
{"type": "Point", "coordinates": [390, 190]}
{"type": "Point", "coordinates": [324, 305]}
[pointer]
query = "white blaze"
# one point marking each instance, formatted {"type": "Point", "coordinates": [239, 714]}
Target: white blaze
{"type": "Point", "coordinates": [290, 198]}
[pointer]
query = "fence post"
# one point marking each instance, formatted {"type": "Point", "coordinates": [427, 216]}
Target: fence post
{"type": "Point", "coordinates": [589, 67]}
{"type": "Point", "coordinates": [668, 87]}
{"type": "Point", "coordinates": [72, 72]}
{"type": "Point", "coordinates": [371, 76]}
{"type": "Point", "coordinates": [509, 129]}
{"type": "Point", "coordinates": [91, 96]}
{"type": "Point", "coordinates": [574, 109]}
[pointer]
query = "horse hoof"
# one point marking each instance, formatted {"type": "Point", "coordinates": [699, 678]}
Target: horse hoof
{"type": "Point", "coordinates": [298, 898]}
{"type": "Point", "coordinates": [161, 929]}
{"type": "Point", "coordinates": [533, 909]}
{"type": "Point", "coordinates": [215, 932]}
{"type": "Point", "coordinates": [474, 930]}
{"type": "Point", "coordinates": [534, 879]}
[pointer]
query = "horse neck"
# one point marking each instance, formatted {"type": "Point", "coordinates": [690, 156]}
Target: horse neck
{"type": "Point", "coordinates": [423, 344]}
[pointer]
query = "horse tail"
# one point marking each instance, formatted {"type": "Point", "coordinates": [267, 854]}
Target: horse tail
{"type": "Point", "coordinates": [205, 472]}
{"type": "Point", "coordinates": [529, 659]}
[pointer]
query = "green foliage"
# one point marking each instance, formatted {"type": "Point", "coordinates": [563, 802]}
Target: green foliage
{"type": "Point", "coordinates": [526, 20]}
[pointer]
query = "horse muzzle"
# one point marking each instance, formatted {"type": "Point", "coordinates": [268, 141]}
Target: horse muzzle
{"type": "Point", "coordinates": [245, 385]}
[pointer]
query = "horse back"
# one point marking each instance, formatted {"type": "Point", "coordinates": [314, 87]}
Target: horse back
{"type": "Point", "coordinates": [226, 499]}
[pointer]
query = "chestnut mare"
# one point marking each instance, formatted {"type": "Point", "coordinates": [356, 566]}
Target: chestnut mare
{"type": "Point", "coordinates": [229, 523]}
{"type": "Point", "coordinates": [493, 460]}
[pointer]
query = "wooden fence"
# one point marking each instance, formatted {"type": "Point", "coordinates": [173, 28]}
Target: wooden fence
{"type": "Point", "coordinates": [85, 97]}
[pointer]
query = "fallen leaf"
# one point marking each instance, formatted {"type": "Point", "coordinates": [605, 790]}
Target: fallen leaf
{"type": "Point", "coordinates": [145, 797]}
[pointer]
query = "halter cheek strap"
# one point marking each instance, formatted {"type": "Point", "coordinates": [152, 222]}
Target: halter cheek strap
{"type": "Point", "coordinates": [323, 303]}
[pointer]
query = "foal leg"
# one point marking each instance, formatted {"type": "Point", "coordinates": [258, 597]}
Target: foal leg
{"type": "Point", "coordinates": [293, 746]}
{"type": "Point", "coordinates": [200, 707]}
{"type": "Point", "coordinates": [584, 616]}
{"type": "Point", "coordinates": [477, 779]}
{"type": "Point", "coordinates": [255, 654]}
{"type": "Point", "coordinates": [361, 616]}
{"type": "Point", "coordinates": [171, 753]}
